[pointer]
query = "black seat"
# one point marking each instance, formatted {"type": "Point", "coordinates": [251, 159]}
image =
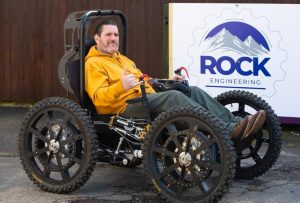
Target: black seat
{"type": "Point", "coordinates": [89, 42]}
{"type": "Point", "coordinates": [73, 69]}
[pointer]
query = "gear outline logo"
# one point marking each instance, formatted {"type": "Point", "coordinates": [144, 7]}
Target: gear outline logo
{"type": "Point", "coordinates": [266, 41]}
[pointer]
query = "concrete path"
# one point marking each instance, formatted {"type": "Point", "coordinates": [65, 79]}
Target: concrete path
{"type": "Point", "coordinates": [114, 184]}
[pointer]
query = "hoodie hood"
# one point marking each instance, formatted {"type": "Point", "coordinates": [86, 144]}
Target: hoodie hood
{"type": "Point", "coordinates": [94, 52]}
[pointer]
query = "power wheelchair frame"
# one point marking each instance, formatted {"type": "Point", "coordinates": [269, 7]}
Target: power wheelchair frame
{"type": "Point", "coordinates": [186, 152]}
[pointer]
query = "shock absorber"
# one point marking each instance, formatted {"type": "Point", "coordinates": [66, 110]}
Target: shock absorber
{"type": "Point", "coordinates": [119, 145]}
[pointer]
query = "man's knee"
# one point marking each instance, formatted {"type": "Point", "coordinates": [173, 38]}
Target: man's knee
{"type": "Point", "coordinates": [194, 87]}
{"type": "Point", "coordinates": [176, 94]}
{"type": "Point", "coordinates": [180, 99]}
{"type": "Point", "coordinates": [197, 91]}
{"type": "Point", "coordinates": [173, 97]}
{"type": "Point", "coordinates": [171, 94]}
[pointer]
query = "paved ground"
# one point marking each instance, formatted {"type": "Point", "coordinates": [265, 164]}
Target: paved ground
{"type": "Point", "coordinates": [113, 184]}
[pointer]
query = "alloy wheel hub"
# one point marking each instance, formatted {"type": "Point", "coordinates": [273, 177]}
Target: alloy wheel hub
{"type": "Point", "coordinates": [185, 158]}
{"type": "Point", "coordinates": [54, 146]}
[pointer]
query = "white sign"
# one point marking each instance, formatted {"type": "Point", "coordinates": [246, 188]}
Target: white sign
{"type": "Point", "coordinates": [253, 47]}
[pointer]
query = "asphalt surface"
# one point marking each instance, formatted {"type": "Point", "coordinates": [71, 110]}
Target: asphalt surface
{"type": "Point", "coordinates": [114, 184]}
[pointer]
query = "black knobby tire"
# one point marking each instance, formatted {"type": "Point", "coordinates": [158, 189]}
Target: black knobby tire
{"type": "Point", "coordinates": [264, 150]}
{"type": "Point", "coordinates": [188, 156]}
{"type": "Point", "coordinates": [58, 145]}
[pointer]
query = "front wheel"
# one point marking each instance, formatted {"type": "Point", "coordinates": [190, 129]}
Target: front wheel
{"type": "Point", "coordinates": [257, 157]}
{"type": "Point", "coordinates": [58, 145]}
{"type": "Point", "coordinates": [188, 156]}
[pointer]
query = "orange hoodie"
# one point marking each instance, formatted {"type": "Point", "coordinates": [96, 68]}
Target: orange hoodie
{"type": "Point", "coordinates": [103, 81]}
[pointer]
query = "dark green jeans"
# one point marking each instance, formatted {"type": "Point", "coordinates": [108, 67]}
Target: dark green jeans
{"type": "Point", "coordinates": [162, 101]}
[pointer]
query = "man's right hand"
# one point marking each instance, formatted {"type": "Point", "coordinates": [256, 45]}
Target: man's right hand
{"type": "Point", "coordinates": [178, 77]}
{"type": "Point", "coordinates": [128, 80]}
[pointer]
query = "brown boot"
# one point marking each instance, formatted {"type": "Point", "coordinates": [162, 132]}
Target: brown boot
{"type": "Point", "coordinates": [244, 125]}
{"type": "Point", "coordinates": [249, 125]}
{"type": "Point", "coordinates": [258, 121]}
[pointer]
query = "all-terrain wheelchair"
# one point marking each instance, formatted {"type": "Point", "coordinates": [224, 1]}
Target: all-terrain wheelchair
{"type": "Point", "coordinates": [186, 152]}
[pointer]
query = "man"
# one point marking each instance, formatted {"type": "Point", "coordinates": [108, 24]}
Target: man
{"type": "Point", "coordinates": [112, 78]}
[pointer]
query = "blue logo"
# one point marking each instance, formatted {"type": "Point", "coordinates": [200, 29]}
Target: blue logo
{"type": "Point", "coordinates": [240, 48]}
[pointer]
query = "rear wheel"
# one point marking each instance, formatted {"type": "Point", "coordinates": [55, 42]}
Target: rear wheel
{"type": "Point", "coordinates": [256, 157]}
{"type": "Point", "coordinates": [188, 156]}
{"type": "Point", "coordinates": [58, 145]}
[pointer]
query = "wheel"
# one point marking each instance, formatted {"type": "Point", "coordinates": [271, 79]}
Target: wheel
{"type": "Point", "coordinates": [58, 145]}
{"type": "Point", "coordinates": [188, 156]}
{"type": "Point", "coordinates": [258, 156]}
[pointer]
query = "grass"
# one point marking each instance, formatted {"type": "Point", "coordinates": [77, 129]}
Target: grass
{"type": "Point", "coordinates": [15, 104]}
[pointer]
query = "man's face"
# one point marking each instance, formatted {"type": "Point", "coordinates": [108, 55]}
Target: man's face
{"type": "Point", "coordinates": [108, 41]}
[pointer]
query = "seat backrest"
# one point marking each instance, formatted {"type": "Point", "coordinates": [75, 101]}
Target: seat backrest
{"type": "Point", "coordinates": [89, 42]}
{"type": "Point", "coordinates": [73, 70]}
{"type": "Point", "coordinates": [74, 75]}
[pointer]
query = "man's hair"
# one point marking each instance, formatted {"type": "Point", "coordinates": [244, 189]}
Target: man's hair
{"type": "Point", "coordinates": [99, 27]}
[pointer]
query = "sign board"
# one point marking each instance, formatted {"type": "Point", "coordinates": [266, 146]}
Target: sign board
{"type": "Point", "coordinates": [252, 47]}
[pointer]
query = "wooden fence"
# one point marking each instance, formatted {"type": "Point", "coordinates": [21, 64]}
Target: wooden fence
{"type": "Point", "coordinates": [31, 37]}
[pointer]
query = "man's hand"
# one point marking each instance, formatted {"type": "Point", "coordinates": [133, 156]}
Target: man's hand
{"type": "Point", "coordinates": [128, 80]}
{"type": "Point", "coordinates": [178, 77]}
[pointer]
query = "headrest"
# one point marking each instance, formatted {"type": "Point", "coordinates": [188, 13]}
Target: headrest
{"type": "Point", "coordinates": [89, 42]}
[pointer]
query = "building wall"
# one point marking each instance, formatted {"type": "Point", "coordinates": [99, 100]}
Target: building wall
{"type": "Point", "coordinates": [31, 37]}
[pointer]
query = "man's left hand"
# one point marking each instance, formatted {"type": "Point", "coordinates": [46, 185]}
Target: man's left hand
{"type": "Point", "coordinates": [178, 77]}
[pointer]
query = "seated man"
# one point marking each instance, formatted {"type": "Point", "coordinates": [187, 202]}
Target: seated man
{"type": "Point", "coordinates": [112, 78]}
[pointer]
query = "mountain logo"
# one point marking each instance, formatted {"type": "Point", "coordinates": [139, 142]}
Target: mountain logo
{"type": "Point", "coordinates": [238, 37]}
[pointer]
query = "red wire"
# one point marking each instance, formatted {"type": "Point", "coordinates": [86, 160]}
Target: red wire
{"type": "Point", "coordinates": [183, 68]}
